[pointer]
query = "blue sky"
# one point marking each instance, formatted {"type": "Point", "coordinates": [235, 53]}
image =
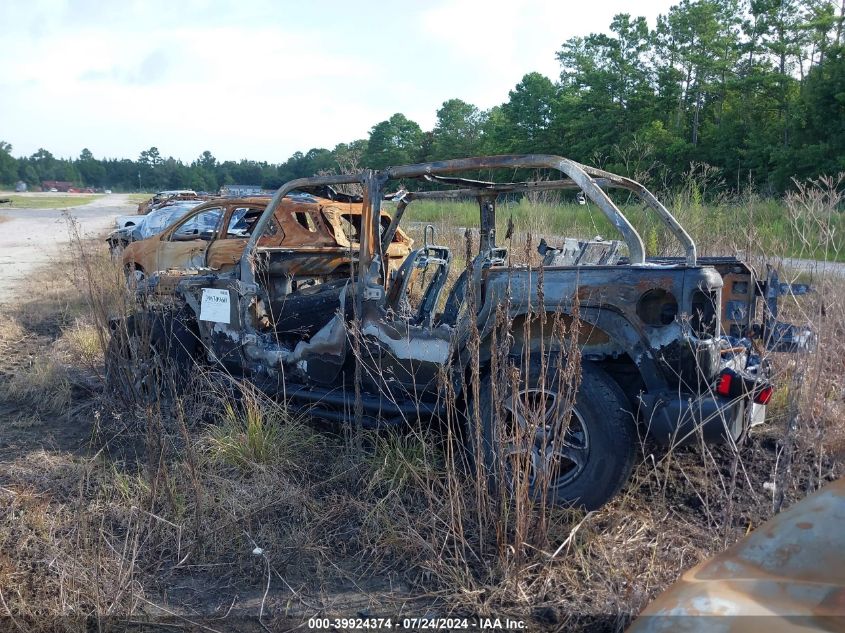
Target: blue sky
{"type": "Point", "coordinates": [262, 79]}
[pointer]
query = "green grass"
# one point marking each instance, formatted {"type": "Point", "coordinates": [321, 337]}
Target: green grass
{"type": "Point", "coordinates": [761, 226]}
{"type": "Point", "coordinates": [258, 433]}
{"type": "Point", "coordinates": [137, 198]}
{"type": "Point", "coordinates": [568, 219]}
{"type": "Point", "coordinates": [47, 201]}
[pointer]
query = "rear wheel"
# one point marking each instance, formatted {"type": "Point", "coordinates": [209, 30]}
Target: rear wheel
{"type": "Point", "coordinates": [564, 453]}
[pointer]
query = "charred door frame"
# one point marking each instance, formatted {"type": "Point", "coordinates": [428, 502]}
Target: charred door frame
{"type": "Point", "coordinates": [166, 236]}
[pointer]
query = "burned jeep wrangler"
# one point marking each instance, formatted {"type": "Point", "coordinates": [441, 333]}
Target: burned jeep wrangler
{"type": "Point", "coordinates": [664, 342]}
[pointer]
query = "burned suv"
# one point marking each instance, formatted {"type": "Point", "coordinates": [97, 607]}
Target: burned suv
{"type": "Point", "coordinates": [550, 369]}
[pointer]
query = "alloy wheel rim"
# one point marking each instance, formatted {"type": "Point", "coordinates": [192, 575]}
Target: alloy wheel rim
{"type": "Point", "coordinates": [545, 440]}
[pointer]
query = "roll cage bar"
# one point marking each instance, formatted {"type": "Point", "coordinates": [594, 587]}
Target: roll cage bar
{"type": "Point", "coordinates": [590, 180]}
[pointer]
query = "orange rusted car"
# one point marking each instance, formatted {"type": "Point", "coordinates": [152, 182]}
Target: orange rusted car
{"type": "Point", "coordinates": [162, 196]}
{"type": "Point", "coordinates": [787, 576]}
{"type": "Point", "coordinates": [320, 234]}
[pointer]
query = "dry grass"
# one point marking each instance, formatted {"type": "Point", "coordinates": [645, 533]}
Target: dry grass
{"type": "Point", "coordinates": [81, 343]}
{"type": "Point", "coordinates": [36, 381]}
{"type": "Point", "coordinates": [10, 329]}
{"type": "Point", "coordinates": [259, 431]}
{"type": "Point", "coordinates": [223, 499]}
{"type": "Point", "coordinates": [43, 387]}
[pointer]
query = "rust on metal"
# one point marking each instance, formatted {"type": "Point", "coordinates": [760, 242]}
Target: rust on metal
{"type": "Point", "coordinates": [792, 567]}
{"type": "Point", "coordinates": [165, 197]}
{"type": "Point", "coordinates": [316, 238]}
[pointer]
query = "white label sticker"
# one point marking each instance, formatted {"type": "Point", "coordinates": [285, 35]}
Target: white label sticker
{"type": "Point", "coordinates": [215, 305]}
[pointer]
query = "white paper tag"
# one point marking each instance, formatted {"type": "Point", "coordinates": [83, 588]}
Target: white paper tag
{"type": "Point", "coordinates": [215, 305]}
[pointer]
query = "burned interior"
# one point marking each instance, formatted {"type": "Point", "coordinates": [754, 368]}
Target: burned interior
{"type": "Point", "coordinates": [310, 239]}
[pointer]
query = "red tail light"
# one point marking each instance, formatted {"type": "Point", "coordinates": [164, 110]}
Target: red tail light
{"type": "Point", "coordinates": [723, 388]}
{"type": "Point", "coordinates": [764, 395]}
{"type": "Point", "coordinates": [732, 384]}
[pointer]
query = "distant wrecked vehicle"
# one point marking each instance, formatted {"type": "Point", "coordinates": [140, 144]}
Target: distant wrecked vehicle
{"type": "Point", "coordinates": [320, 235]}
{"type": "Point", "coordinates": [159, 200]}
{"type": "Point", "coordinates": [148, 225]}
{"type": "Point", "coordinates": [162, 196]}
{"type": "Point", "coordinates": [664, 343]}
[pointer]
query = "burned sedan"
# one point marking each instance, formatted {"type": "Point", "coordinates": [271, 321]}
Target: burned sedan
{"type": "Point", "coordinates": [321, 235]}
{"type": "Point", "coordinates": [549, 372]}
{"type": "Point", "coordinates": [148, 225]}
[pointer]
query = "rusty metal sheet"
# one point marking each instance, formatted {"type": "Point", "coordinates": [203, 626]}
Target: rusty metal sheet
{"type": "Point", "coordinates": [145, 206]}
{"type": "Point", "coordinates": [163, 198]}
{"type": "Point", "coordinates": [313, 231]}
{"type": "Point", "coordinates": [298, 224]}
{"type": "Point", "coordinates": [792, 567]}
{"type": "Point", "coordinates": [224, 253]}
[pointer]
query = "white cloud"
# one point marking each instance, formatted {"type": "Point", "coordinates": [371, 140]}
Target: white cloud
{"type": "Point", "coordinates": [502, 40]}
{"type": "Point", "coordinates": [264, 79]}
{"type": "Point", "coordinates": [255, 92]}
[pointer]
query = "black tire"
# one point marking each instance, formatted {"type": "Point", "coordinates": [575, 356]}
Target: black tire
{"type": "Point", "coordinates": [588, 469]}
{"type": "Point", "coordinates": [150, 356]}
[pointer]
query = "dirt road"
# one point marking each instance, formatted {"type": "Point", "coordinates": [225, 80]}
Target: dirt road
{"type": "Point", "coordinates": [30, 238]}
{"type": "Point", "coordinates": [816, 267]}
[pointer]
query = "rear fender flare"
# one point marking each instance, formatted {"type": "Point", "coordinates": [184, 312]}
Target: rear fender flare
{"type": "Point", "coordinates": [609, 331]}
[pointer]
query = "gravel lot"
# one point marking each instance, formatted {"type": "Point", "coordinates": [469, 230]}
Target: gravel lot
{"type": "Point", "coordinates": [30, 238]}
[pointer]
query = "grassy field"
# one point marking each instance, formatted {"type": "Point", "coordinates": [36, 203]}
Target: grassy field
{"type": "Point", "coordinates": [47, 201]}
{"type": "Point", "coordinates": [136, 198]}
{"type": "Point", "coordinates": [753, 225]}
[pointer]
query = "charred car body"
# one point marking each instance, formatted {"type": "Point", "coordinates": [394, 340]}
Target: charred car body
{"type": "Point", "coordinates": [649, 331]}
{"type": "Point", "coordinates": [163, 196]}
{"type": "Point", "coordinates": [148, 225]}
{"type": "Point", "coordinates": [791, 570]}
{"type": "Point", "coordinates": [319, 237]}
{"type": "Point", "coordinates": [156, 202]}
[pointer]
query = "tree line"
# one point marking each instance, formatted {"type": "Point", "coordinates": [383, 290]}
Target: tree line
{"type": "Point", "coordinates": [754, 89]}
